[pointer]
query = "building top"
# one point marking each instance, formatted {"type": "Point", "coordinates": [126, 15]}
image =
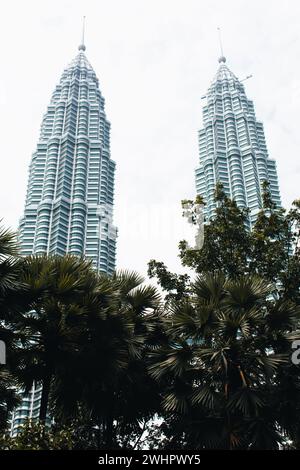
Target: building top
{"type": "Point", "coordinates": [223, 72]}
{"type": "Point", "coordinates": [80, 61]}
{"type": "Point", "coordinates": [81, 46]}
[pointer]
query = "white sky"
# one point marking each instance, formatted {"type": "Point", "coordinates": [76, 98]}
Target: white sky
{"type": "Point", "coordinates": [154, 59]}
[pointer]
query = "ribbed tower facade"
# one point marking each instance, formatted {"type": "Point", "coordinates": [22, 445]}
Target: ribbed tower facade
{"type": "Point", "coordinates": [232, 147]}
{"type": "Point", "coordinates": [70, 193]}
{"type": "Point", "coordinates": [69, 202]}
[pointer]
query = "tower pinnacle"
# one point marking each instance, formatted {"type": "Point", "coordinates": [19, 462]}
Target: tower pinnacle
{"type": "Point", "coordinates": [232, 148]}
{"type": "Point", "coordinates": [222, 58]}
{"type": "Point", "coordinates": [82, 47]}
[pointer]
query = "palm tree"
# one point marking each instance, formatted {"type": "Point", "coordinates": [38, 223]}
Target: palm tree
{"type": "Point", "coordinates": [228, 347]}
{"type": "Point", "coordinates": [12, 302]}
{"type": "Point", "coordinates": [57, 287]}
{"type": "Point", "coordinates": [12, 291]}
{"type": "Point", "coordinates": [110, 378]}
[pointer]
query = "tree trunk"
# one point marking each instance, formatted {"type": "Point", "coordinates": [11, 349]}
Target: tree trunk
{"type": "Point", "coordinates": [99, 435]}
{"type": "Point", "coordinates": [109, 438]}
{"type": "Point", "coordinates": [44, 399]}
{"type": "Point", "coordinates": [140, 436]}
{"type": "Point", "coordinates": [109, 430]}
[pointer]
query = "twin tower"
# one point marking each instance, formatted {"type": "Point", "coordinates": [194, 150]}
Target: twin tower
{"type": "Point", "coordinates": [70, 195]}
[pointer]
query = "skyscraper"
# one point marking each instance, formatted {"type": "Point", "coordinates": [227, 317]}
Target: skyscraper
{"type": "Point", "coordinates": [232, 147]}
{"type": "Point", "coordinates": [69, 202]}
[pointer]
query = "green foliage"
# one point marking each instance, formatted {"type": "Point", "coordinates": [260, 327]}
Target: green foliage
{"type": "Point", "coordinates": [226, 370]}
{"type": "Point", "coordinates": [109, 379]}
{"type": "Point", "coordinates": [226, 240]}
{"type": "Point", "coordinates": [221, 371]}
{"type": "Point", "coordinates": [269, 250]}
{"type": "Point", "coordinates": [209, 369]}
{"type": "Point", "coordinates": [85, 337]}
{"type": "Point", "coordinates": [35, 436]}
{"type": "Point", "coordinates": [11, 303]}
{"type": "Point", "coordinates": [175, 285]}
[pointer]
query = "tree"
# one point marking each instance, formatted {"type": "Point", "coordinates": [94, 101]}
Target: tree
{"type": "Point", "coordinates": [57, 286]}
{"type": "Point", "coordinates": [227, 366]}
{"type": "Point", "coordinates": [85, 338]}
{"type": "Point", "coordinates": [270, 249]}
{"type": "Point", "coordinates": [12, 303]}
{"type": "Point", "coordinates": [35, 436]}
{"type": "Point", "coordinates": [229, 345]}
{"type": "Point", "coordinates": [110, 381]}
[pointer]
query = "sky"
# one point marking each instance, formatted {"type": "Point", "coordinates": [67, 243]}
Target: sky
{"type": "Point", "coordinates": [154, 59]}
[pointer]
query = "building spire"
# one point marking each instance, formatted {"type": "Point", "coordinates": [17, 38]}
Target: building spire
{"type": "Point", "coordinates": [82, 47]}
{"type": "Point", "coordinates": [222, 58]}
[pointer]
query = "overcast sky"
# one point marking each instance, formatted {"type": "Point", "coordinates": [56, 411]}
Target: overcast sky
{"type": "Point", "coordinates": [154, 59]}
